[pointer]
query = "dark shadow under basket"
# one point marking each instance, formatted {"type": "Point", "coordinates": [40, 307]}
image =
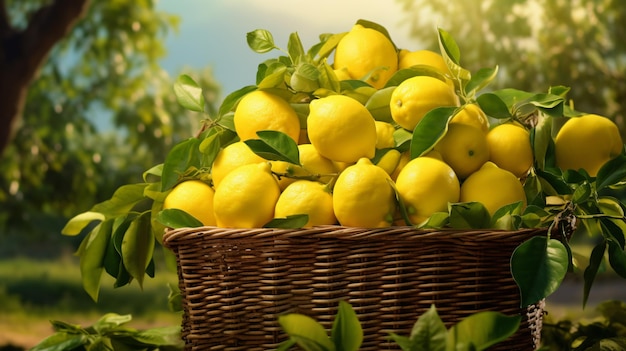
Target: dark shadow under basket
{"type": "Point", "coordinates": [236, 282]}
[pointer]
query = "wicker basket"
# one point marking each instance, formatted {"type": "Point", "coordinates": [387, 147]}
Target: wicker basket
{"type": "Point", "coordinates": [235, 282]}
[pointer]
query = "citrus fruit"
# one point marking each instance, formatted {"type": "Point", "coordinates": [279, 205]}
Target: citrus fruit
{"type": "Point", "coordinates": [246, 197]}
{"type": "Point", "coordinates": [430, 58]}
{"type": "Point", "coordinates": [230, 157]}
{"type": "Point", "coordinates": [416, 96]}
{"type": "Point", "coordinates": [307, 197]}
{"type": "Point", "coordinates": [464, 148]}
{"type": "Point", "coordinates": [363, 196]}
{"type": "Point", "coordinates": [472, 115]}
{"type": "Point", "coordinates": [341, 129]}
{"type": "Point", "coordinates": [390, 160]}
{"type": "Point", "coordinates": [426, 185]}
{"type": "Point", "coordinates": [384, 135]}
{"type": "Point", "coordinates": [342, 74]}
{"type": "Point", "coordinates": [286, 172]}
{"type": "Point", "coordinates": [510, 149]}
{"type": "Point", "coordinates": [587, 142]}
{"type": "Point", "coordinates": [316, 164]}
{"type": "Point", "coordinates": [260, 110]}
{"type": "Point", "coordinates": [492, 186]}
{"type": "Point", "coordinates": [194, 197]}
{"type": "Point", "coordinates": [366, 54]}
{"type": "Point", "coordinates": [405, 157]}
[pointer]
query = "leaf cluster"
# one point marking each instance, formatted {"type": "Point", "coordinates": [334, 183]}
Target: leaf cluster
{"type": "Point", "coordinates": [110, 333]}
{"type": "Point", "coordinates": [476, 332]}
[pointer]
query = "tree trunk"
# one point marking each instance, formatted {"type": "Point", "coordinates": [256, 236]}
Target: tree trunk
{"type": "Point", "coordinates": [22, 54]}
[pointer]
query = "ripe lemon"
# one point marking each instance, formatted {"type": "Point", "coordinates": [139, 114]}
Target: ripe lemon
{"type": "Point", "coordinates": [587, 142]}
{"type": "Point", "coordinates": [510, 149]}
{"type": "Point", "coordinates": [246, 197]}
{"type": "Point", "coordinates": [472, 115]}
{"type": "Point", "coordinates": [384, 135]}
{"type": "Point", "coordinates": [390, 161]}
{"type": "Point", "coordinates": [260, 110]}
{"type": "Point", "coordinates": [341, 129]}
{"type": "Point", "coordinates": [316, 164]}
{"type": "Point", "coordinates": [427, 185]}
{"type": "Point", "coordinates": [405, 157]}
{"type": "Point", "coordinates": [464, 148]}
{"type": "Point", "coordinates": [230, 157]}
{"type": "Point", "coordinates": [422, 57]}
{"type": "Point", "coordinates": [194, 197]}
{"type": "Point", "coordinates": [492, 186]}
{"type": "Point", "coordinates": [307, 197]}
{"type": "Point", "coordinates": [367, 54]}
{"type": "Point", "coordinates": [416, 96]}
{"type": "Point", "coordinates": [363, 196]}
{"type": "Point", "coordinates": [286, 172]}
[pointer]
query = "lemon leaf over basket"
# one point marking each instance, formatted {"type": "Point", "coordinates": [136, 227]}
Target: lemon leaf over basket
{"type": "Point", "coordinates": [347, 333]}
{"type": "Point", "coordinates": [306, 332]}
{"type": "Point", "coordinates": [538, 266]}
{"type": "Point", "coordinates": [482, 330]}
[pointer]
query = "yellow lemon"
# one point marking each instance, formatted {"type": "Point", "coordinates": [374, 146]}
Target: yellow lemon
{"type": "Point", "coordinates": [194, 197]}
{"type": "Point", "coordinates": [384, 135]}
{"type": "Point", "coordinates": [363, 196]}
{"type": "Point", "coordinates": [390, 161]}
{"type": "Point", "coordinates": [307, 197]}
{"type": "Point", "coordinates": [341, 129]}
{"type": "Point", "coordinates": [246, 197]}
{"type": "Point", "coordinates": [230, 157]}
{"type": "Point", "coordinates": [405, 157]}
{"type": "Point", "coordinates": [286, 172]}
{"type": "Point", "coordinates": [366, 54]}
{"type": "Point", "coordinates": [316, 164]}
{"type": "Point", "coordinates": [260, 110]}
{"type": "Point", "coordinates": [342, 74]}
{"type": "Point", "coordinates": [472, 115]}
{"type": "Point", "coordinates": [427, 185]}
{"type": "Point", "coordinates": [510, 149]}
{"type": "Point", "coordinates": [416, 96]}
{"type": "Point", "coordinates": [422, 57]}
{"type": "Point", "coordinates": [464, 148]}
{"type": "Point", "coordinates": [587, 142]}
{"type": "Point", "coordinates": [492, 186]}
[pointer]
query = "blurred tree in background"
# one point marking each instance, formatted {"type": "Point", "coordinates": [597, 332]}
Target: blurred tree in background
{"type": "Point", "coordinates": [99, 113]}
{"type": "Point", "coordinates": [537, 44]}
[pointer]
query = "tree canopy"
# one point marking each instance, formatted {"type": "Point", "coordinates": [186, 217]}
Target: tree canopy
{"type": "Point", "coordinates": [538, 44]}
{"type": "Point", "coordinates": [97, 113]}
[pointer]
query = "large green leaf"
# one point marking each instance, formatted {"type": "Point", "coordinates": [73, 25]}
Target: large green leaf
{"type": "Point", "coordinates": [61, 341]}
{"type": "Point", "coordinates": [480, 79]}
{"type": "Point", "coordinates": [612, 172]}
{"type": "Point", "coordinates": [122, 201]}
{"type": "Point", "coordinates": [137, 247]}
{"type": "Point", "coordinates": [494, 106]}
{"type": "Point", "coordinates": [430, 129]}
{"type": "Point", "coordinates": [275, 146]}
{"type": "Point", "coordinates": [260, 41]}
{"type": "Point", "coordinates": [429, 332]}
{"type": "Point", "coordinates": [538, 266]}
{"type": "Point", "coordinates": [378, 104]}
{"type": "Point", "coordinates": [182, 157]}
{"type": "Point", "coordinates": [92, 253]}
{"type": "Point", "coordinates": [189, 94]}
{"type": "Point", "coordinates": [346, 333]}
{"type": "Point", "coordinates": [469, 215]}
{"type": "Point", "coordinates": [482, 330]}
{"type": "Point", "coordinates": [75, 225]}
{"type": "Point", "coordinates": [176, 218]}
{"type": "Point", "coordinates": [595, 261]}
{"type": "Point", "coordinates": [306, 332]}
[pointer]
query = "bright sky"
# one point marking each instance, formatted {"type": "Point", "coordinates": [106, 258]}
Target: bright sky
{"type": "Point", "coordinates": [214, 32]}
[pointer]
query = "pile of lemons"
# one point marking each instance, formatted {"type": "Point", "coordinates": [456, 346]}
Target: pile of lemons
{"type": "Point", "coordinates": [338, 182]}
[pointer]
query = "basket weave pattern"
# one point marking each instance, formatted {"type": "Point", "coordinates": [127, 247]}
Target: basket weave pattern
{"type": "Point", "coordinates": [236, 282]}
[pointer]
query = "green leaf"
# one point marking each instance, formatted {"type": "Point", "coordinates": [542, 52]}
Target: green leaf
{"type": "Point", "coordinates": [61, 342]}
{"type": "Point", "coordinates": [76, 225]}
{"type": "Point", "coordinates": [612, 172]}
{"type": "Point", "coordinates": [330, 43]}
{"type": "Point", "coordinates": [548, 103]}
{"type": "Point", "coordinates": [122, 201]}
{"type": "Point", "coordinates": [174, 298]}
{"type": "Point", "coordinates": [346, 333]}
{"type": "Point", "coordinates": [541, 139]}
{"type": "Point", "coordinates": [595, 260]}
{"type": "Point", "coordinates": [295, 48]}
{"type": "Point", "coordinates": [430, 129]}
{"type": "Point", "coordinates": [452, 55]}
{"type": "Point", "coordinates": [508, 217]}
{"type": "Point", "coordinates": [617, 258]}
{"type": "Point", "coordinates": [493, 106]}
{"type": "Point", "coordinates": [429, 332]}
{"type": "Point", "coordinates": [92, 257]}
{"type": "Point", "coordinates": [274, 76]}
{"type": "Point", "coordinates": [538, 266]}
{"type": "Point", "coordinates": [469, 215]}
{"type": "Point", "coordinates": [289, 222]}
{"type": "Point", "coordinates": [512, 97]}
{"type": "Point", "coordinates": [273, 145]}
{"type": "Point", "coordinates": [305, 78]}
{"type": "Point", "coordinates": [581, 193]}
{"type": "Point", "coordinates": [306, 332]}
{"type": "Point", "coordinates": [437, 220]}
{"type": "Point", "coordinates": [137, 247]}
{"type": "Point", "coordinates": [183, 156]}
{"type": "Point", "coordinates": [402, 137]}
{"type": "Point", "coordinates": [549, 180]}
{"type": "Point", "coordinates": [413, 71]}
{"type": "Point", "coordinates": [110, 322]}
{"type": "Point", "coordinates": [230, 101]}
{"type": "Point", "coordinates": [260, 41]}
{"type": "Point", "coordinates": [483, 330]}
{"type": "Point", "coordinates": [189, 94]}
{"type": "Point", "coordinates": [481, 79]}
{"type": "Point", "coordinates": [176, 218]}
{"type": "Point", "coordinates": [402, 341]}
{"type": "Point", "coordinates": [160, 336]}
{"type": "Point", "coordinates": [378, 104]}
{"type": "Point", "coordinates": [156, 171]}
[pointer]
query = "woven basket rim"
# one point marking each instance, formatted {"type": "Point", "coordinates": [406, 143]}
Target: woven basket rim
{"type": "Point", "coordinates": [172, 237]}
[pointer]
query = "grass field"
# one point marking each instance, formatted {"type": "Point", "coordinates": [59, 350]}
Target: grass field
{"type": "Point", "coordinates": [33, 292]}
